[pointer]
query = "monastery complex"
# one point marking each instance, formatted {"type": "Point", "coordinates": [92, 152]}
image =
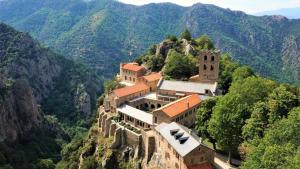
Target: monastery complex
{"type": "Point", "coordinates": [158, 115]}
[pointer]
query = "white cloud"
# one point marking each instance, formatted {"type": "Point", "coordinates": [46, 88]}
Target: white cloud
{"type": "Point", "coordinates": [249, 6]}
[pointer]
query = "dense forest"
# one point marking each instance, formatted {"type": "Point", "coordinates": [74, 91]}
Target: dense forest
{"type": "Point", "coordinates": [106, 31]}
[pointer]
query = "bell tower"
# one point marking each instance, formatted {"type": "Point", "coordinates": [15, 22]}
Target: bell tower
{"type": "Point", "coordinates": [209, 61]}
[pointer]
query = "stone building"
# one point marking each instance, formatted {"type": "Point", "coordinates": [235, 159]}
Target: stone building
{"type": "Point", "coordinates": [182, 111]}
{"type": "Point", "coordinates": [131, 72]}
{"type": "Point", "coordinates": [209, 61]}
{"type": "Point", "coordinates": [151, 80]}
{"type": "Point", "coordinates": [179, 148]}
{"type": "Point", "coordinates": [123, 95]}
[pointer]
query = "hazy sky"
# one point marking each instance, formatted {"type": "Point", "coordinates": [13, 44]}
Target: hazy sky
{"type": "Point", "coordinates": [249, 6]}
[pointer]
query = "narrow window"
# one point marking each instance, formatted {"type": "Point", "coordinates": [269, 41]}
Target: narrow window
{"type": "Point", "coordinates": [204, 67]}
{"type": "Point", "coordinates": [213, 58]}
{"type": "Point", "coordinates": [211, 67]}
{"type": "Point", "coordinates": [205, 57]}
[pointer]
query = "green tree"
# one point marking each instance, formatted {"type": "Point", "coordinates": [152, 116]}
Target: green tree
{"type": "Point", "coordinates": [186, 35]}
{"type": "Point", "coordinates": [232, 110]}
{"type": "Point", "coordinates": [90, 163]}
{"type": "Point", "coordinates": [45, 164]}
{"type": "Point", "coordinates": [172, 38]}
{"type": "Point", "coordinates": [257, 123]}
{"type": "Point", "coordinates": [203, 116]}
{"type": "Point", "coordinates": [227, 67]}
{"type": "Point", "coordinates": [112, 84]}
{"type": "Point", "coordinates": [280, 102]}
{"type": "Point", "coordinates": [179, 66]}
{"type": "Point", "coordinates": [204, 42]}
{"type": "Point", "coordinates": [242, 73]}
{"type": "Point", "coordinates": [156, 63]}
{"type": "Point", "coordinates": [279, 148]}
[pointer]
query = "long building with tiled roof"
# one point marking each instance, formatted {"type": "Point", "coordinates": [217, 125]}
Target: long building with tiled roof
{"type": "Point", "coordinates": [125, 94]}
{"type": "Point", "coordinates": [182, 111]}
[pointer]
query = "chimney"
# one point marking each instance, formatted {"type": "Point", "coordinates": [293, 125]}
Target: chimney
{"type": "Point", "coordinates": [188, 104]}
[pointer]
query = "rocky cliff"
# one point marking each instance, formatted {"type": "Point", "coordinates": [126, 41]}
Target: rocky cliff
{"type": "Point", "coordinates": [35, 82]}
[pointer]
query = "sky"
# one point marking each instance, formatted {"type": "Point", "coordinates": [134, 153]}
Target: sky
{"type": "Point", "coordinates": [248, 6]}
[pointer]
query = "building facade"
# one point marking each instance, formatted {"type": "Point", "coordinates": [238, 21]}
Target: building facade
{"type": "Point", "coordinates": [182, 111]}
{"type": "Point", "coordinates": [151, 80]}
{"type": "Point", "coordinates": [125, 94]}
{"type": "Point", "coordinates": [131, 72]}
{"type": "Point", "coordinates": [179, 148]}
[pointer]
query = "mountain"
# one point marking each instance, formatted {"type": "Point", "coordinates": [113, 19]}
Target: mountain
{"type": "Point", "coordinates": [43, 96]}
{"type": "Point", "coordinates": [292, 13]}
{"type": "Point", "coordinates": [102, 33]}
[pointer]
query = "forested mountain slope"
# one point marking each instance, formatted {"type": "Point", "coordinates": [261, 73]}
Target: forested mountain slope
{"type": "Point", "coordinates": [43, 96]}
{"type": "Point", "coordinates": [104, 32]}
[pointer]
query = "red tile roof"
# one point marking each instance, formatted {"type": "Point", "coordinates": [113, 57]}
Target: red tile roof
{"type": "Point", "coordinates": [125, 91]}
{"type": "Point", "coordinates": [179, 106]}
{"type": "Point", "coordinates": [133, 67]}
{"type": "Point", "coordinates": [200, 166]}
{"type": "Point", "coordinates": [152, 77]}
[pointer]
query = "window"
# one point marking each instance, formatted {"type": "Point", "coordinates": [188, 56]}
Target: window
{"type": "Point", "coordinates": [204, 67]}
{"type": "Point", "coordinates": [152, 106]}
{"type": "Point", "coordinates": [211, 67]}
{"type": "Point", "coordinates": [169, 146]}
{"type": "Point", "coordinates": [176, 165]}
{"type": "Point", "coordinates": [155, 119]}
{"type": "Point", "coordinates": [205, 57]}
{"type": "Point", "coordinates": [206, 91]}
{"type": "Point", "coordinates": [125, 77]}
{"type": "Point", "coordinates": [212, 58]}
{"type": "Point", "coordinates": [177, 155]}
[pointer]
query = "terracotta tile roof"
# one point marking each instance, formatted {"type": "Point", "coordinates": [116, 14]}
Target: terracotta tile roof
{"type": "Point", "coordinates": [177, 107]}
{"type": "Point", "coordinates": [200, 166]}
{"type": "Point", "coordinates": [133, 67]}
{"type": "Point", "coordinates": [125, 91]}
{"type": "Point", "coordinates": [152, 77]}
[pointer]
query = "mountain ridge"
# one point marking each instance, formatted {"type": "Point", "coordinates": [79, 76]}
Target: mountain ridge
{"type": "Point", "coordinates": [291, 13]}
{"type": "Point", "coordinates": [100, 32]}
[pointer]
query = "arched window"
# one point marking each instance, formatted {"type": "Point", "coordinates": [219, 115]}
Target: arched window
{"type": "Point", "coordinates": [146, 105]}
{"type": "Point", "coordinates": [213, 58]}
{"type": "Point", "coordinates": [152, 106]}
{"type": "Point", "coordinates": [204, 67]}
{"type": "Point", "coordinates": [205, 57]}
{"type": "Point", "coordinates": [211, 67]}
{"type": "Point", "coordinates": [158, 105]}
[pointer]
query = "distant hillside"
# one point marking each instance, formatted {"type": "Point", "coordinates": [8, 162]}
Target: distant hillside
{"type": "Point", "coordinates": [43, 97]}
{"type": "Point", "coordinates": [291, 13]}
{"type": "Point", "coordinates": [103, 33]}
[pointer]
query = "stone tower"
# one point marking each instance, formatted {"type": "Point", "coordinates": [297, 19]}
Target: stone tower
{"type": "Point", "coordinates": [209, 65]}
